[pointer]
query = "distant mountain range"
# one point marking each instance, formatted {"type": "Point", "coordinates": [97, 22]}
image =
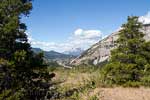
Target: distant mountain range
{"type": "Point", "coordinates": [53, 55]}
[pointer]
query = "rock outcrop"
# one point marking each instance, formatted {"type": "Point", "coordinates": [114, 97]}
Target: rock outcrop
{"type": "Point", "coordinates": [100, 51]}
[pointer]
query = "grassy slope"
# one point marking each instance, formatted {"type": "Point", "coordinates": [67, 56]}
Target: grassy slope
{"type": "Point", "coordinates": [84, 84]}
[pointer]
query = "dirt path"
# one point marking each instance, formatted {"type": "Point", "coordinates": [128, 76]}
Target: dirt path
{"type": "Point", "coordinates": [123, 93]}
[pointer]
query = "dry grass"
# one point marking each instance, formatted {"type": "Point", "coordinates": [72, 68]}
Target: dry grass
{"type": "Point", "coordinates": [119, 93]}
{"type": "Point", "coordinates": [74, 79]}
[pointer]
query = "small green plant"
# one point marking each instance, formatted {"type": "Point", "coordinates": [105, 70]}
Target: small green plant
{"type": "Point", "coordinates": [75, 96]}
{"type": "Point", "coordinates": [94, 98]}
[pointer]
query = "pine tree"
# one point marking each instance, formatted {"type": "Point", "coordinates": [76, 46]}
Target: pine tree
{"type": "Point", "coordinates": [128, 60]}
{"type": "Point", "coordinates": [12, 30]}
{"type": "Point", "coordinates": [23, 74]}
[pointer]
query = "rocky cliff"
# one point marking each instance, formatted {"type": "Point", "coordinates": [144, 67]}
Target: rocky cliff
{"type": "Point", "coordinates": [100, 51]}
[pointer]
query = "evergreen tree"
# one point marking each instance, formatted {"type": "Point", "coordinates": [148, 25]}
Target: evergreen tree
{"type": "Point", "coordinates": [23, 74]}
{"type": "Point", "coordinates": [130, 57]}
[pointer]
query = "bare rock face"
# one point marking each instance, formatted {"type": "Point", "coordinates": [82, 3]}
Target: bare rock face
{"type": "Point", "coordinates": [100, 51]}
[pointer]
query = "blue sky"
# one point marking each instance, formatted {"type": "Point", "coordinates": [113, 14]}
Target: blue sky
{"type": "Point", "coordinates": [63, 25]}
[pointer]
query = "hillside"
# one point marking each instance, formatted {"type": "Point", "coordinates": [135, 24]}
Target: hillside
{"type": "Point", "coordinates": [100, 51]}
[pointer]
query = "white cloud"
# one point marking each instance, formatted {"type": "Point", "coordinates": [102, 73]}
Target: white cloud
{"type": "Point", "coordinates": [78, 32]}
{"type": "Point", "coordinates": [87, 34]}
{"type": "Point", "coordinates": [79, 39]}
{"type": "Point", "coordinates": [145, 19]}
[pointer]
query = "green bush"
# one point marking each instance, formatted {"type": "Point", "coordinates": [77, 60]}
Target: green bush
{"type": "Point", "coordinates": [94, 98]}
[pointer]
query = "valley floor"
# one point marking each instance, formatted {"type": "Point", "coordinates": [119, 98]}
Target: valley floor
{"type": "Point", "coordinates": [83, 84]}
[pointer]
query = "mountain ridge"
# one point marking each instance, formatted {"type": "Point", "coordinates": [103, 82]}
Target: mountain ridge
{"type": "Point", "coordinates": [53, 55]}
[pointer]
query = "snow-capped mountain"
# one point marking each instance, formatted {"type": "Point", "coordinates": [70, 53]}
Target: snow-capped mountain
{"type": "Point", "coordinates": [74, 51]}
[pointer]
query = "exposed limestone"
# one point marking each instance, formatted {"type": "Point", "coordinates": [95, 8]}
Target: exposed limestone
{"type": "Point", "coordinates": [100, 51]}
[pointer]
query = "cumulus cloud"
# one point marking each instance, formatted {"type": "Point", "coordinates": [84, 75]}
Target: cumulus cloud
{"type": "Point", "coordinates": [87, 34]}
{"type": "Point", "coordinates": [145, 19]}
{"type": "Point", "coordinates": [78, 32]}
{"type": "Point", "coordinates": [79, 39]}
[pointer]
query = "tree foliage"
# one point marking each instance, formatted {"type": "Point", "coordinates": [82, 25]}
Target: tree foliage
{"type": "Point", "coordinates": [23, 74]}
{"type": "Point", "coordinates": [130, 60]}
